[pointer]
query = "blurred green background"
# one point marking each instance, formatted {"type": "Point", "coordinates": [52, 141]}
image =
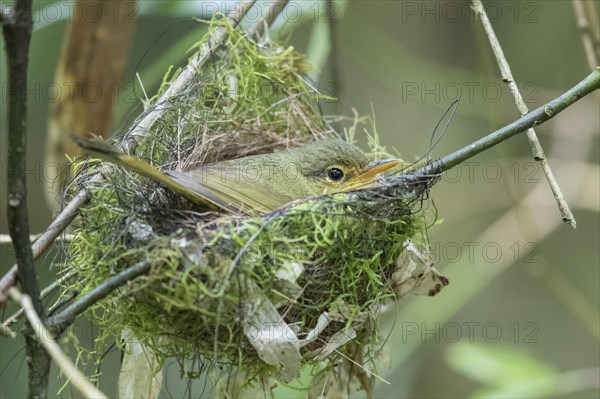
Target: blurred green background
{"type": "Point", "coordinates": [520, 317]}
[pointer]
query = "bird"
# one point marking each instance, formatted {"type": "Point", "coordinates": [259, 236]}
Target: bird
{"type": "Point", "coordinates": [259, 184]}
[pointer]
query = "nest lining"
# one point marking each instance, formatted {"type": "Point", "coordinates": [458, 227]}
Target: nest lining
{"type": "Point", "coordinates": [321, 268]}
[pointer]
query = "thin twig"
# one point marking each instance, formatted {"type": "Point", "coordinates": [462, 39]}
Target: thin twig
{"type": "Point", "coordinates": [587, 22]}
{"type": "Point", "coordinates": [534, 118]}
{"type": "Point", "coordinates": [6, 331]}
{"type": "Point", "coordinates": [62, 320]}
{"type": "Point", "coordinates": [45, 292]}
{"type": "Point", "coordinates": [44, 337]}
{"type": "Point", "coordinates": [58, 225]}
{"type": "Point", "coordinates": [507, 77]}
{"type": "Point", "coordinates": [273, 9]}
{"type": "Point", "coordinates": [5, 238]}
{"type": "Point", "coordinates": [187, 75]}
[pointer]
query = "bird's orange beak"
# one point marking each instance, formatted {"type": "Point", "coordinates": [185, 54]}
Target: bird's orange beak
{"type": "Point", "coordinates": [367, 178]}
{"type": "Point", "coordinates": [377, 167]}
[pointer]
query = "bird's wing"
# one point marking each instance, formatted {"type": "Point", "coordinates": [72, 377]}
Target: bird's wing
{"type": "Point", "coordinates": [104, 150]}
{"type": "Point", "coordinates": [240, 196]}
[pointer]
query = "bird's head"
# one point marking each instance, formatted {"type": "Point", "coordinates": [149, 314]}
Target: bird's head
{"type": "Point", "coordinates": [334, 166]}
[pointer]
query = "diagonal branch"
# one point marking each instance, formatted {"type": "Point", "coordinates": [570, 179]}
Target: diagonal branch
{"type": "Point", "coordinates": [533, 118]}
{"type": "Point", "coordinates": [44, 337]}
{"type": "Point", "coordinates": [187, 74]}
{"type": "Point", "coordinates": [5, 326]}
{"type": "Point", "coordinates": [62, 320]}
{"type": "Point", "coordinates": [507, 77]}
{"type": "Point", "coordinates": [43, 242]}
{"type": "Point", "coordinates": [272, 11]}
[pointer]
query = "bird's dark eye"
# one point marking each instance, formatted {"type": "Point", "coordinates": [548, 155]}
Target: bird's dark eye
{"type": "Point", "coordinates": [335, 174]}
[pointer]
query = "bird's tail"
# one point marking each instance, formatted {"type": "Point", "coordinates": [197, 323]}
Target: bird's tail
{"type": "Point", "coordinates": [105, 151]}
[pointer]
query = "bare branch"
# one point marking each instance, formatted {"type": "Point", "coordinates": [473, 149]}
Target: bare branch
{"type": "Point", "coordinates": [17, 35]}
{"type": "Point", "coordinates": [44, 337]}
{"type": "Point", "coordinates": [5, 238]}
{"type": "Point", "coordinates": [538, 152]}
{"type": "Point", "coordinates": [45, 292]}
{"type": "Point", "coordinates": [62, 320]}
{"type": "Point", "coordinates": [587, 22]}
{"type": "Point", "coordinates": [17, 29]}
{"type": "Point", "coordinates": [273, 10]}
{"type": "Point", "coordinates": [187, 74]}
{"type": "Point", "coordinates": [58, 225]}
{"type": "Point", "coordinates": [6, 331]}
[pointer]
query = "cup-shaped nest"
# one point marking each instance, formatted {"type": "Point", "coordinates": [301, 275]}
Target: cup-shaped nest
{"type": "Point", "coordinates": [270, 293]}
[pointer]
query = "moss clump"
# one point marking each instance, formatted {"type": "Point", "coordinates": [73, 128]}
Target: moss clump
{"type": "Point", "coordinates": [315, 271]}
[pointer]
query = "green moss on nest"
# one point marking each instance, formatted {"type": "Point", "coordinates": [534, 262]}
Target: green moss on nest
{"type": "Point", "coordinates": [332, 255]}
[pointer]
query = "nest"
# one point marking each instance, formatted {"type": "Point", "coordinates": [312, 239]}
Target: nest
{"type": "Point", "coordinates": [268, 294]}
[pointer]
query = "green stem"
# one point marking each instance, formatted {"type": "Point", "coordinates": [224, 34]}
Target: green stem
{"type": "Point", "coordinates": [58, 323]}
{"type": "Point", "coordinates": [534, 118]}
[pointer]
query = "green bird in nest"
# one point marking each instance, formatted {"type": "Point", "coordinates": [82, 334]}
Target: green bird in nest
{"type": "Point", "coordinates": [259, 184]}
